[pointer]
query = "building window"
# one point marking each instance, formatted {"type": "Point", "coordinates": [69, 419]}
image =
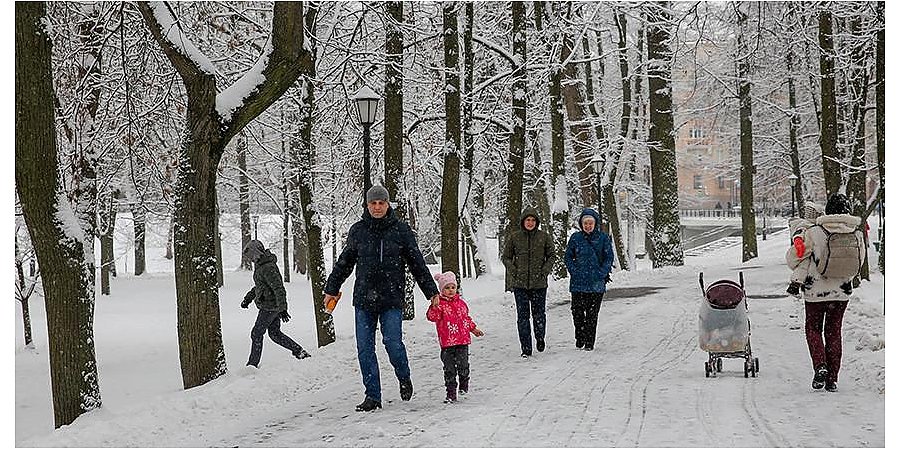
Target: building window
{"type": "Point", "coordinates": [697, 133]}
{"type": "Point", "coordinates": [721, 181]}
{"type": "Point", "coordinates": [698, 182]}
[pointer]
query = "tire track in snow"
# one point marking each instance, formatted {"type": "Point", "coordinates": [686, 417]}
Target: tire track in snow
{"type": "Point", "coordinates": [757, 419]}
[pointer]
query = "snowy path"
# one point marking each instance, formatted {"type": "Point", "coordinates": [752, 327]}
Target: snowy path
{"type": "Point", "coordinates": [643, 385]}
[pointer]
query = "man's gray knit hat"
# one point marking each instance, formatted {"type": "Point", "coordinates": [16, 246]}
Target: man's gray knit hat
{"type": "Point", "coordinates": [253, 250]}
{"type": "Point", "coordinates": [377, 193]}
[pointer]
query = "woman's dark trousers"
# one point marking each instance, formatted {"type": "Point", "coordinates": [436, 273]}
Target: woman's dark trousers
{"type": "Point", "coordinates": [585, 309]}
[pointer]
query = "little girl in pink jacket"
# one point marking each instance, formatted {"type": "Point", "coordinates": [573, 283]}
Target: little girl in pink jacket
{"type": "Point", "coordinates": [450, 315]}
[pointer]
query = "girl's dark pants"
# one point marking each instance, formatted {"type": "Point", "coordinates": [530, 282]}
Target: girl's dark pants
{"type": "Point", "coordinates": [456, 363]}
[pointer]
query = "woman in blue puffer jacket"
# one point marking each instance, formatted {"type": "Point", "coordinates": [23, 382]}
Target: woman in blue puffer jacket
{"type": "Point", "coordinates": [589, 258]}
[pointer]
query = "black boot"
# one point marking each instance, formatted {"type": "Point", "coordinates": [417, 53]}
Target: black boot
{"type": "Point", "coordinates": [818, 381]}
{"type": "Point", "coordinates": [451, 395]}
{"type": "Point", "coordinates": [463, 386]}
{"type": "Point", "coordinates": [831, 386]}
{"type": "Point", "coordinates": [406, 389]}
{"type": "Point", "coordinates": [368, 405]}
{"type": "Point", "coordinates": [301, 354]}
{"type": "Point", "coordinates": [540, 345]}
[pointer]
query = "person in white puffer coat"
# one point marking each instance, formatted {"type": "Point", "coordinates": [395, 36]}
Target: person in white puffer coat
{"type": "Point", "coordinates": [836, 248]}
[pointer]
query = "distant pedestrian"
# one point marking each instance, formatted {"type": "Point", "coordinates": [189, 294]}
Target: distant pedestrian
{"type": "Point", "coordinates": [450, 315]}
{"type": "Point", "coordinates": [528, 257]}
{"type": "Point", "coordinates": [589, 259]}
{"type": "Point", "coordinates": [836, 248]}
{"type": "Point", "coordinates": [271, 298]}
{"type": "Point", "coordinates": [380, 246]}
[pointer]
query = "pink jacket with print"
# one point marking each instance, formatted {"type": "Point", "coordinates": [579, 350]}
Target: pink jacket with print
{"type": "Point", "coordinates": [451, 317]}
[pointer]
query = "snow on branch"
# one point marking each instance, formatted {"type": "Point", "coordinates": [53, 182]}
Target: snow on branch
{"type": "Point", "coordinates": [495, 47]}
{"type": "Point", "coordinates": [233, 96]}
{"type": "Point", "coordinates": [171, 32]}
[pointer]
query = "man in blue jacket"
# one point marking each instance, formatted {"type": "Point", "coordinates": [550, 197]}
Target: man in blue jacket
{"type": "Point", "coordinates": [380, 246]}
{"type": "Point", "coordinates": [589, 258]}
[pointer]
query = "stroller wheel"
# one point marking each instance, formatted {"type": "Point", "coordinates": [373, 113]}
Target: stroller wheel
{"type": "Point", "coordinates": [756, 364]}
{"type": "Point", "coordinates": [706, 368]}
{"type": "Point", "coordinates": [746, 369]}
{"type": "Point", "coordinates": [718, 364]}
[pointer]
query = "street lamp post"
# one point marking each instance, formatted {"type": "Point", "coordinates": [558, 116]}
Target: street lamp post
{"type": "Point", "coordinates": [256, 226]}
{"type": "Point", "coordinates": [366, 106]}
{"type": "Point", "coordinates": [598, 162]}
{"type": "Point", "coordinates": [765, 204]}
{"type": "Point", "coordinates": [793, 180]}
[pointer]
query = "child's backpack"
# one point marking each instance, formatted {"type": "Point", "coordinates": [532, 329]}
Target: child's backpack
{"type": "Point", "coordinates": [840, 258]}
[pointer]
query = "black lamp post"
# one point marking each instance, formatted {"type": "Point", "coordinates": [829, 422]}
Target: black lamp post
{"type": "Point", "coordinates": [598, 162]}
{"type": "Point", "coordinates": [366, 106]}
{"type": "Point", "coordinates": [256, 226]}
{"type": "Point", "coordinates": [764, 207]}
{"type": "Point", "coordinates": [793, 180]}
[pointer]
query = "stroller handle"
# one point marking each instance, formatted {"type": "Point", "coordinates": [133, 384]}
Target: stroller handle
{"type": "Point", "coordinates": [702, 287]}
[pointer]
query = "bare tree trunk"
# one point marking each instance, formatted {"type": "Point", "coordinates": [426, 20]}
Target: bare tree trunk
{"type": "Point", "coordinates": [140, 228]}
{"type": "Point", "coordinates": [858, 85]}
{"type": "Point", "coordinates": [794, 125]}
{"type": "Point", "coordinates": [170, 236]}
{"type": "Point", "coordinates": [107, 233]}
{"type": "Point", "coordinates": [879, 122]}
{"type": "Point", "coordinates": [298, 228]}
{"type": "Point", "coordinates": [63, 249]}
{"type": "Point", "coordinates": [23, 293]}
{"type": "Point", "coordinates": [828, 139]}
{"type": "Point", "coordinates": [595, 106]}
{"type": "Point", "coordinates": [303, 151]}
{"type": "Point", "coordinates": [469, 142]}
{"type": "Point", "coordinates": [666, 233]}
{"type": "Point", "coordinates": [208, 131]}
{"type": "Point", "coordinates": [450, 179]}
{"type": "Point", "coordinates": [220, 271]}
{"type": "Point", "coordinates": [244, 199]}
{"type": "Point", "coordinates": [516, 158]}
{"type": "Point", "coordinates": [560, 207]}
{"type": "Point", "coordinates": [748, 169]}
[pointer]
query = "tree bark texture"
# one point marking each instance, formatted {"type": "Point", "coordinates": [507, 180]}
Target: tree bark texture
{"type": "Point", "coordinates": [393, 106]}
{"type": "Point", "coordinates": [828, 138]}
{"type": "Point", "coordinates": [208, 132]}
{"type": "Point", "coordinates": [748, 169]}
{"type": "Point", "coordinates": [450, 179]}
{"type": "Point", "coordinates": [107, 229]}
{"type": "Point", "coordinates": [472, 181]}
{"type": "Point", "coordinates": [667, 247]}
{"type": "Point", "coordinates": [63, 250]}
{"type": "Point", "coordinates": [793, 126]}
{"type": "Point", "coordinates": [516, 158]}
{"type": "Point", "coordinates": [244, 199]}
{"type": "Point", "coordinates": [140, 232]}
{"type": "Point", "coordinates": [879, 120]}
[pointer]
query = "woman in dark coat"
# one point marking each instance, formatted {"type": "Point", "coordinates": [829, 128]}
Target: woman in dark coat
{"type": "Point", "coordinates": [588, 258]}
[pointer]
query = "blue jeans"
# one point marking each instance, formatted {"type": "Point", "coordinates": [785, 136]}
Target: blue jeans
{"type": "Point", "coordinates": [392, 337]}
{"type": "Point", "coordinates": [530, 306]}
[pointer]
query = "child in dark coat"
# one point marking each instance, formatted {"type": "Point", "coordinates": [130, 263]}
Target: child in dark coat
{"type": "Point", "coordinates": [450, 315]}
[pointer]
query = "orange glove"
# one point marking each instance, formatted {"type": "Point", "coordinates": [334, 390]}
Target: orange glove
{"type": "Point", "coordinates": [799, 246]}
{"type": "Point", "coordinates": [331, 302]}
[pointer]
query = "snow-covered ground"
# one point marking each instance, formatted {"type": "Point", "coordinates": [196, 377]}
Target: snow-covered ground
{"type": "Point", "coordinates": [644, 384]}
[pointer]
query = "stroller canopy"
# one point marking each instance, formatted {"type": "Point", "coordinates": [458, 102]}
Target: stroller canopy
{"type": "Point", "coordinates": [724, 294]}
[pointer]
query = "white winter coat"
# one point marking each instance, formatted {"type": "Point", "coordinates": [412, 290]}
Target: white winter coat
{"type": "Point", "coordinates": [825, 289]}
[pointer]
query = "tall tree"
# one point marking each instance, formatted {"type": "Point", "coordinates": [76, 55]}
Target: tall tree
{"type": "Point", "coordinates": [794, 123]}
{"type": "Point", "coordinates": [303, 152]}
{"type": "Point", "coordinates": [560, 208]}
{"type": "Point", "coordinates": [450, 179]}
{"type": "Point", "coordinates": [393, 105]}
{"type": "Point", "coordinates": [666, 231]}
{"type": "Point", "coordinates": [748, 169]}
{"type": "Point", "coordinates": [244, 198]}
{"type": "Point", "coordinates": [515, 166]}
{"type": "Point", "coordinates": [828, 139]}
{"type": "Point", "coordinates": [858, 87]}
{"type": "Point", "coordinates": [879, 118]}
{"type": "Point", "coordinates": [139, 213]}
{"type": "Point", "coordinates": [213, 119]}
{"type": "Point", "coordinates": [63, 249]}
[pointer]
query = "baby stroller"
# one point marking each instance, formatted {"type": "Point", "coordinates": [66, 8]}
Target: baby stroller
{"type": "Point", "coordinates": [725, 326]}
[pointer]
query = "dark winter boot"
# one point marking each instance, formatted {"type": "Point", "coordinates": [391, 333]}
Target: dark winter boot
{"type": "Point", "coordinates": [579, 344]}
{"type": "Point", "coordinates": [463, 386]}
{"type": "Point", "coordinates": [302, 354]}
{"type": "Point", "coordinates": [818, 381]}
{"type": "Point", "coordinates": [540, 345]}
{"type": "Point", "coordinates": [406, 389]}
{"type": "Point", "coordinates": [368, 405]}
{"type": "Point", "coordinates": [831, 386]}
{"type": "Point", "coordinates": [451, 395]}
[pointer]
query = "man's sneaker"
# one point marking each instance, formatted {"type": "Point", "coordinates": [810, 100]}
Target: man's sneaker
{"type": "Point", "coordinates": [540, 345]}
{"type": "Point", "coordinates": [463, 386]}
{"type": "Point", "coordinates": [589, 348]}
{"type": "Point", "coordinates": [818, 381]}
{"type": "Point", "coordinates": [302, 354]}
{"type": "Point", "coordinates": [579, 344]}
{"type": "Point", "coordinates": [406, 389]}
{"type": "Point", "coordinates": [831, 386]}
{"type": "Point", "coordinates": [526, 354]}
{"type": "Point", "coordinates": [368, 405]}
